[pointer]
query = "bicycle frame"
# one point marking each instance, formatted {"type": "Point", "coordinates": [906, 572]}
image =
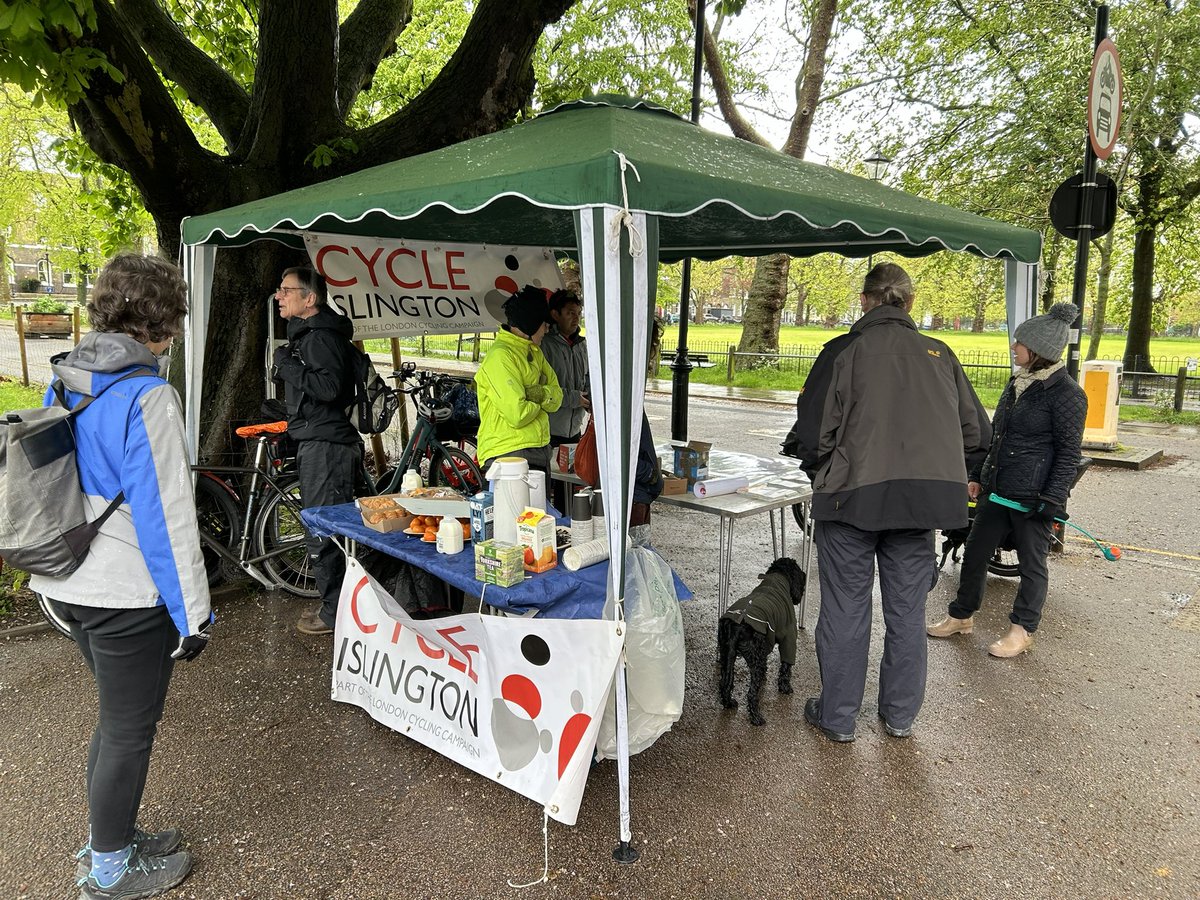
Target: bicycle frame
{"type": "Point", "coordinates": [260, 479]}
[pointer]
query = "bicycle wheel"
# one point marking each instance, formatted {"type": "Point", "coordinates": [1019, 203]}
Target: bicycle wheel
{"type": "Point", "coordinates": [1003, 563]}
{"type": "Point", "coordinates": [217, 512]}
{"type": "Point", "coordinates": [279, 537]}
{"type": "Point", "coordinates": [52, 615]}
{"type": "Point", "coordinates": [451, 467]}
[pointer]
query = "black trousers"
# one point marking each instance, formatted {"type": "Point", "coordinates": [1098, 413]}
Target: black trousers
{"type": "Point", "coordinates": [328, 473]}
{"type": "Point", "coordinates": [129, 653]}
{"type": "Point", "coordinates": [1031, 537]}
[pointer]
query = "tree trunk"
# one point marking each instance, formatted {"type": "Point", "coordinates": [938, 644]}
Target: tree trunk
{"type": "Point", "coordinates": [5, 290]}
{"type": "Point", "coordinates": [1103, 278]}
{"type": "Point", "coordinates": [1137, 344]}
{"type": "Point", "coordinates": [768, 291]}
{"type": "Point", "coordinates": [980, 312]}
{"type": "Point", "coordinates": [760, 325]}
{"type": "Point", "coordinates": [1054, 247]}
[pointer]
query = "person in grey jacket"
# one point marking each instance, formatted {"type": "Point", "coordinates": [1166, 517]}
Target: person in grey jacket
{"type": "Point", "coordinates": [1033, 459]}
{"type": "Point", "coordinates": [139, 601]}
{"type": "Point", "coordinates": [565, 348]}
{"type": "Point", "coordinates": [886, 427]}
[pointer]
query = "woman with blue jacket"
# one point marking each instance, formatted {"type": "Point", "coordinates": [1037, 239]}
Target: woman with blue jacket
{"type": "Point", "coordinates": [139, 600]}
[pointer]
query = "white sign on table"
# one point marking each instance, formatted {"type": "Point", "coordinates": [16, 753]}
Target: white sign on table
{"type": "Point", "coordinates": [393, 288]}
{"type": "Point", "coordinates": [516, 700]}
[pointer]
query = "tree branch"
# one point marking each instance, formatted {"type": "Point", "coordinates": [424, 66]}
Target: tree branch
{"type": "Point", "coordinates": [207, 84]}
{"type": "Point", "coordinates": [737, 123]}
{"type": "Point", "coordinates": [135, 125]}
{"type": "Point", "coordinates": [487, 81]}
{"type": "Point", "coordinates": [812, 76]}
{"type": "Point", "coordinates": [367, 36]}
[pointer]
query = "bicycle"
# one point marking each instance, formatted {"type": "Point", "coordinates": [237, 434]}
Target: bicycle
{"type": "Point", "coordinates": [442, 444]}
{"type": "Point", "coordinates": [262, 535]}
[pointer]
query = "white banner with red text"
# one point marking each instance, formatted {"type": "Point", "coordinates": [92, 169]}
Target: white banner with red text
{"type": "Point", "coordinates": [517, 700]}
{"type": "Point", "coordinates": [392, 288]}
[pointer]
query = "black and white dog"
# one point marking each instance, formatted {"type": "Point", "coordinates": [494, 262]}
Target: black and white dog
{"type": "Point", "coordinates": [751, 628]}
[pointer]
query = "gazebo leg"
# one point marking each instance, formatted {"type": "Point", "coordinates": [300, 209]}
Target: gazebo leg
{"type": "Point", "coordinates": [626, 853]}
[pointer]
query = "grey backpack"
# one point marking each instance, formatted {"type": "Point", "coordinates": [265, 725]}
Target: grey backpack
{"type": "Point", "coordinates": [43, 522]}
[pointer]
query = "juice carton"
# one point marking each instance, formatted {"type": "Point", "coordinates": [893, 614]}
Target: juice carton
{"type": "Point", "coordinates": [535, 533]}
{"type": "Point", "coordinates": [499, 563]}
{"type": "Point", "coordinates": [483, 513]}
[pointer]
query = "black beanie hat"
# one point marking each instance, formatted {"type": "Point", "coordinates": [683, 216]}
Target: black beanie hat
{"type": "Point", "coordinates": [526, 309]}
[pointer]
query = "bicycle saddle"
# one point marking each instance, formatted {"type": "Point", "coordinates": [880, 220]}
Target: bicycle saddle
{"type": "Point", "coordinates": [247, 431]}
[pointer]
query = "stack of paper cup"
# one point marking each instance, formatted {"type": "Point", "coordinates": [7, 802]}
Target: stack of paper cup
{"type": "Point", "coordinates": [598, 527]}
{"type": "Point", "coordinates": [581, 519]}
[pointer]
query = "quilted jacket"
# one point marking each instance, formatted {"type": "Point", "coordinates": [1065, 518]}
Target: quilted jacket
{"type": "Point", "coordinates": [1035, 440]}
{"type": "Point", "coordinates": [768, 609]}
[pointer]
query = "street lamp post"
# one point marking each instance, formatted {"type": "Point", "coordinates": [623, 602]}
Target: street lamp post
{"type": "Point", "coordinates": [877, 166]}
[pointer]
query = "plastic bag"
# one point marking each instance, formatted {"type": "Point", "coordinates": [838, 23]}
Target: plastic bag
{"type": "Point", "coordinates": [654, 654]}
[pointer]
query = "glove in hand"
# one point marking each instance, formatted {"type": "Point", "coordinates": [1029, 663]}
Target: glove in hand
{"type": "Point", "coordinates": [192, 646]}
{"type": "Point", "coordinates": [282, 354]}
{"type": "Point", "coordinates": [535, 393]}
{"type": "Point", "coordinates": [1046, 511]}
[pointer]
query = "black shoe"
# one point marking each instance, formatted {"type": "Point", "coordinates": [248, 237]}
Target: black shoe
{"type": "Point", "coordinates": [893, 730]}
{"type": "Point", "coordinates": [158, 843]}
{"type": "Point", "coordinates": [146, 876]}
{"type": "Point", "coordinates": [812, 715]}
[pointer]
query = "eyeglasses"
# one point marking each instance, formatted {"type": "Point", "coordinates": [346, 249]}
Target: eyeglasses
{"type": "Point", "coordinates": [283, 290]}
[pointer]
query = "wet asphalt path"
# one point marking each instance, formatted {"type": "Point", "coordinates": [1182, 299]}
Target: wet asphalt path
{"type": "Point", "coordinates": [1073, 771]}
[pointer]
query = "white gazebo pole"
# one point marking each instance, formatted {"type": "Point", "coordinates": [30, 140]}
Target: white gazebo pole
{"type": "Point", "coordinates": [615, 266]}
{"type": "Point", "coordinates": [198, 262]}
{"type": "Point", "coordinates": [1020, 291]}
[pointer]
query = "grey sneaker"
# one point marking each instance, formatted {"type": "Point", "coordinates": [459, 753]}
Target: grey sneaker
{"type": "Point", "coordinates": [146, 876]}
{"type": "Point", "coordinates": [160, 843]}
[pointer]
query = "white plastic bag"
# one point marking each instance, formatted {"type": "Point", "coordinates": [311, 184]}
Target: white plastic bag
{"type": "Point", "coordinates": [654, 654]}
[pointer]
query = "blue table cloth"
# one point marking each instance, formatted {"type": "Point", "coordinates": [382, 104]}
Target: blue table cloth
{"type": "Point", "coordinates": [557, 594]}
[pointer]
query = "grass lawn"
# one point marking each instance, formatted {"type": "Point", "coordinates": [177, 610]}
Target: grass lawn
{"type": "Point", "coordinates": [14, 395]}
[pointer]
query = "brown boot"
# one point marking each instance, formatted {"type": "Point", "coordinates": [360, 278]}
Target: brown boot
{"type": "Point", "coordinates": [1016, 642]}
{"type": "Point", "coordinates": [310, 623]}
{"type": "Point", "coordinates": [950, 625]}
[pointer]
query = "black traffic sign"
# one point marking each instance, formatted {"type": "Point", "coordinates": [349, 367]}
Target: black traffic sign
{"type": "Point", "coordinates": [1064, 206]}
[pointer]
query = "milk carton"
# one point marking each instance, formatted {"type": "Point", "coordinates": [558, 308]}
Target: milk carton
{"type": "Point", "coordinates": [535, 533]}
{"type": "Point", "coordinates": [483, 512]}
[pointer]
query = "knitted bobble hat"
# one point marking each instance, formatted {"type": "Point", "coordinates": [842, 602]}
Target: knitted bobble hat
{"type": "Point", "coordinates": [1046, 335]}
{"type": "Point", "coordinates": [526, 309]}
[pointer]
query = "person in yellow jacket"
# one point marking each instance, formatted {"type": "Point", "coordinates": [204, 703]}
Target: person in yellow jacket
{"type": "Point", "coordinates": [517, 388]}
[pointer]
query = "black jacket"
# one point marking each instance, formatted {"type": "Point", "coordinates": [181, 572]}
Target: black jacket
{"type": "Point", "coordinates": [1035, 440]}
{"type": "Point", "coordinates": [647, 478]}
{"type": "Point", "coordinates": [768, 609]}
{"type": "Point", "coordinates": [317, 376]}
{"type": "Point", "coordinates": [887, 428]}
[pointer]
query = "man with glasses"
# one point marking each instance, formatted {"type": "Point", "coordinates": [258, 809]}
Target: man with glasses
{"type": "Point", "coordinates": [314, 366]}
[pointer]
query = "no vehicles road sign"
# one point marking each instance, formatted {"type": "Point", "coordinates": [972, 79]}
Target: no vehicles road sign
{"type": "Point", "coordinates": [1105, 89]}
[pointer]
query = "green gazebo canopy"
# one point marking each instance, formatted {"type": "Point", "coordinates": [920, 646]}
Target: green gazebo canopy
{"type": "Point", "coordinates": [713, 195]}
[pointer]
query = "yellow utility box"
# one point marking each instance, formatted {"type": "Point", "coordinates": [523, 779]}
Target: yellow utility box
{"type": "Point", "coordinates": [1102, 384]}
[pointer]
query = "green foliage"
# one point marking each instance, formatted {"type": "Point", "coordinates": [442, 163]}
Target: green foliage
{"type": "Point", "coordinates": [28, 58]}
{"type": "Point", "coordinates": [325, 154]}
{"type": "Point", "coordinates": [48, 305]}
{"type": "Point", "coordinates": [29, 285]}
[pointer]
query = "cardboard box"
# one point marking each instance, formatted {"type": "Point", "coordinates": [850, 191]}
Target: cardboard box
{"type": "Point", "coordinates": [436, 501]}
{"type": "Point", "coordinates": [673, 485]}
{"type": "Point", "coordinates": [499, 563]}
{"type": "Point", "coordinates": [691, 460]}
{"type": "Point", "coordinates": [536, 533]}
{"type": "Point", "coordinates": [383, 513]}
{"type": "Point", "coordinates": [483, 516]}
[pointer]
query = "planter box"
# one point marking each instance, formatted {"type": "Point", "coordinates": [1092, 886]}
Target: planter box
{"type": "Point", "coordinates": [48, 323]}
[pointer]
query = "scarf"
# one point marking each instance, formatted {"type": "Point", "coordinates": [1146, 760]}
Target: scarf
{"type": "Point", "coordinates": [1024, 378]}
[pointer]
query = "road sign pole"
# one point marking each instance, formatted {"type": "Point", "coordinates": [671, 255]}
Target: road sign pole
{"type": "Point", "coordinates": [1083, 241]}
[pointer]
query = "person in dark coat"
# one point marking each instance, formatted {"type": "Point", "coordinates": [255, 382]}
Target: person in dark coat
{"type": "Point", "coordinates": [885, 424]}
{"type": "Point", "coordinates": [1033, 459]}
{"type": "Point", "coordinates": [647, 475]}
{"type": "Point", "coordinates": [314, 366]}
